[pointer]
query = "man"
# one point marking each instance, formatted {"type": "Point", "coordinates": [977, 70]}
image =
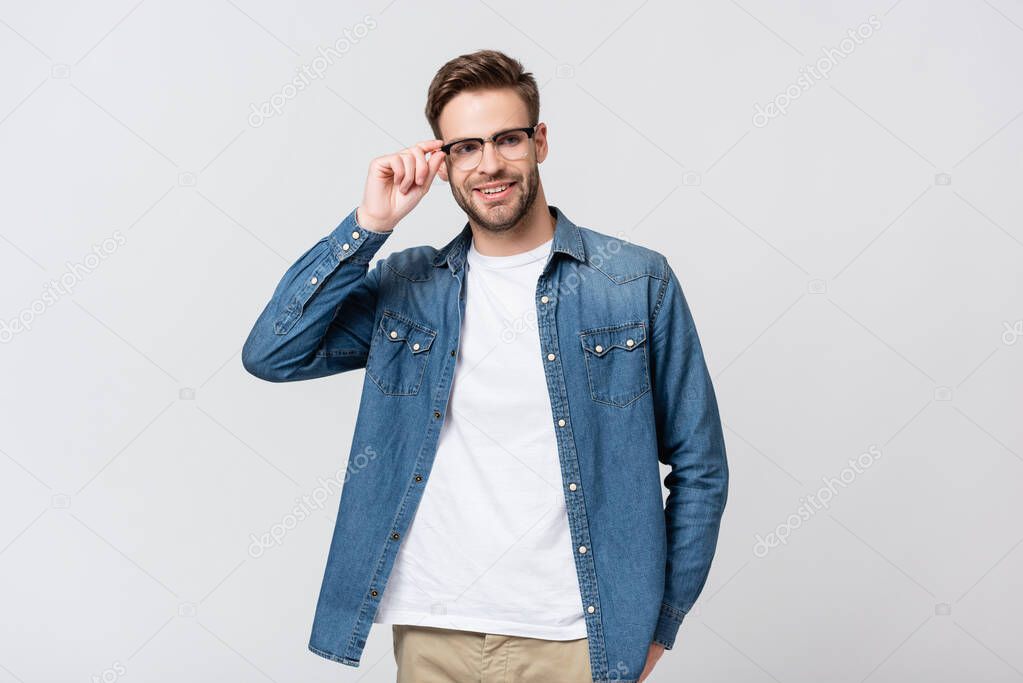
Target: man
{"type": "Point", "coordinates": [502, 506]}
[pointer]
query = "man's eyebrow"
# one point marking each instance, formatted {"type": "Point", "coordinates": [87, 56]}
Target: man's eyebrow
{"type": "Point", "coordinates": [480, 137]}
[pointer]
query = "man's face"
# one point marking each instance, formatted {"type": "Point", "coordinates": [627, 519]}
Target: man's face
{"type": "Point", "coordinates": [481, 114]}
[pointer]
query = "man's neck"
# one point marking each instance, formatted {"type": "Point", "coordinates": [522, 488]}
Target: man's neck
{"type": "Point", "coordinates": [535, 228]}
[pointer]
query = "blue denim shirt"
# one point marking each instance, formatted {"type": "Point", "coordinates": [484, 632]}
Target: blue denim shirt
{"type": "Point", "coordinates": [628, 388]}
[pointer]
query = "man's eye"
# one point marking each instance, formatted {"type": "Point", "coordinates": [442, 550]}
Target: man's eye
{"type": "Point", "coordinates": [465, 148]}
{"type": "Point", "coordinates": [511, 140]}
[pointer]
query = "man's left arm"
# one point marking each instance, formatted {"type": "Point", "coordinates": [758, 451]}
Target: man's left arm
{"type": "Point", "coordinates": [690, 440]}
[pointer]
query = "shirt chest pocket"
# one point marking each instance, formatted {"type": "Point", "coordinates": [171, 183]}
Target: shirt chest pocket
{"type": "Point", "coordinates": [398, 354]}
{"type": "Point", "coordinates": [616, 362]}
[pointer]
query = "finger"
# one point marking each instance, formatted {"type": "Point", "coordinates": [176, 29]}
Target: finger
{"type": "Point", "coordinates": [429, 145]}
{"type": "Point", "coordinates": [410, 171]}
{"type": "Point", "coordinates": [397, 169]}
{"type": "Point", "coordinates": [436, 159]}
{"type": "Point", "coordinates": [421, 167]}
{"type": "Point", "coordinates": [381, 168]}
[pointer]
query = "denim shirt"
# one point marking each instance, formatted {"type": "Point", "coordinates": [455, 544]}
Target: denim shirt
{"type": "Point", "coordinates": [628, 388]}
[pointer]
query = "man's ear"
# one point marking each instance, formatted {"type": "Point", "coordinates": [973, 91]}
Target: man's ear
{"type": "Point", "coordinates": [540, 137]}
{"type": "Point", "coordinates": [442, 171]}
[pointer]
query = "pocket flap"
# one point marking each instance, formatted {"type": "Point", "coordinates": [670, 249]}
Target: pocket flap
{"type": "Point", "coordinates": [397, 328]}
{"type": "Point", "coordinates": [599, 341]}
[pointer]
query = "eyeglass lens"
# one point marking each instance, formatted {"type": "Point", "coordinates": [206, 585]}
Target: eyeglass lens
{"type": "Point", "coordinates": [512, 146]}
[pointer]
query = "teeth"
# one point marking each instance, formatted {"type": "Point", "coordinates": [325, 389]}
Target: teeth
{"type": "Point", "coordinates": [494, 190]}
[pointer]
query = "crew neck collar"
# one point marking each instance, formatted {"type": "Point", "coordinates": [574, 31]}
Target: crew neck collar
{"type": "Point", "coordinates": [475, 258]}
{"type": "Point", "coordinates": [567, 239]}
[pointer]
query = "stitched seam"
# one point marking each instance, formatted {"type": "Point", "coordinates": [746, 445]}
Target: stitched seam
{"type": "Point", "coordinates": [660, 294]}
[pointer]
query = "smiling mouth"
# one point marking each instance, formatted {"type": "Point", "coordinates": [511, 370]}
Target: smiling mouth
{"type": "Point", "coordinates": [492, 196]}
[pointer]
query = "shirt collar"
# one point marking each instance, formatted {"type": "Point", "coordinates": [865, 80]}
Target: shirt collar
{"type": "Point", "coordinates": [566, 240]}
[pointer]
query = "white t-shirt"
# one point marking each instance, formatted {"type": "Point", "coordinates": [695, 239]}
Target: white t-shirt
{"type": "Point", "coordinates": [489, 548]}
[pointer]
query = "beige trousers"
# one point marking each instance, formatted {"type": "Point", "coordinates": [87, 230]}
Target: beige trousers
{"type": "Point", "coordinates": [427, 654]}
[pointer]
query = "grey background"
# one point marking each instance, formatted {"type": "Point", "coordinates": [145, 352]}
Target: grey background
{"type": "Point", "coordinates": [854, 267]}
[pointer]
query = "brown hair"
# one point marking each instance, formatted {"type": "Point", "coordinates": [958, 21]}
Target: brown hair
{"type": "Point", "coordinates": [480, 70]}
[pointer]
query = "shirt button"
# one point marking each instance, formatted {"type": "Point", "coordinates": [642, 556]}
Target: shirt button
{"type": "Point", "coordinates": [395, 535]}
{"type": "Point", "coordinates": [582, 549]}
{"type": "Point", "coordinates": [373, 593]}
{"type": "Point", "coordinates": [345, 246]}
{"type": "Point", "coordinates": [419, 477]}
{"type": "Point", "coordinates": [313, 280]}
{"type": "Point", "coordinates": [598, 348]}
{"type": "Point", "coordinates": [550, 356]}
{"type": "Point", "coordinates": [393, 334]}
{"type": "Point", "coordinates": [415, 347]}
{"type": "Point", "coordinates": [572, 487]}
{"type": "Point", "coordinates": [629, 342]}
{"type": "Point", "coordinates": [591, 609]}
{"type": "Point", "coordinates": [561, 423]}
{"type": "Point", "coordinates": [355, 235]}
{"type": "Point", "coordinates": [544, 299]}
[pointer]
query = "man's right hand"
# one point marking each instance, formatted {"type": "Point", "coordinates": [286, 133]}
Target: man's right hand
{"type": "Point", "coordinates": [395, 184]}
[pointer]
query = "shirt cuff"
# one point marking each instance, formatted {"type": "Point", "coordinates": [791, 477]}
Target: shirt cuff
{"type": "Point", "coordinates": [668, 624]}
{"type": "Point", "coordinates": [352, 242]}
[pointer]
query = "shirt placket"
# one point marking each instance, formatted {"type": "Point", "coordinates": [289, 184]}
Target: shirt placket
{"type": "Point", "coordinates": [546, 308]}
{"type": "Point", "coordinates": [405, 510]}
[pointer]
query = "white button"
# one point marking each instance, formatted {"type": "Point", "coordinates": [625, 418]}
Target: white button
{"type": "Point", "coordinates": [393, 334]}
{"type": "Point", "coordinates": [355, 235]}
{"type": "Point", "coordinates": [561, 423]}
{"type": "Point", "coordinates": [345, 246]}
{"type": "Point", "coordinates": [572, 487]}
{"type": "Point", "coordinates": [582, 549]}
{"type": "Point", "coordinates": [550, 356]}
{"type": "Point", "coordinates": [415, 347]}
{"type": "Point", "coordinates": [313, 280]}
{"type": "Point", "coordinates": [544, 299]}
{"type": "Point", "coordinates": [598, 348]}
{"type": "Point", "coordinates": [591, 609]}
{"type": "Point", "coordinates": [629, 342]}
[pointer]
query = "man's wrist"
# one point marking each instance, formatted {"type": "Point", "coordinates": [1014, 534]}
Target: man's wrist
{"type": "Point", "coordinates": [365, 224]}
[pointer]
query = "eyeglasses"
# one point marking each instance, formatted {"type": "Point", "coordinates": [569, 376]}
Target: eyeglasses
{"type": "Point", "coordinates": [512, 144]}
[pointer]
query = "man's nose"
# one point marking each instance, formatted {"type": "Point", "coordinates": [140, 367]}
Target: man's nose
{"type": "Point", "coordinates": [491, 161]}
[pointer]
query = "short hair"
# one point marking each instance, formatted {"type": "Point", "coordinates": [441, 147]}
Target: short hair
{"type": "Point", "coordinates": [480, 70]}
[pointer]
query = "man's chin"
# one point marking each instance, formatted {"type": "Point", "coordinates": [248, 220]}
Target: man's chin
{"type": "Point", "coordinates": [496, 217]}
{"type": "Point", "coordinates": [493, 225]}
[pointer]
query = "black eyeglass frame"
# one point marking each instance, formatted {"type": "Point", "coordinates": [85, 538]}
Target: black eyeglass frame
{"type": "Point", "coordinates": [529, 131]}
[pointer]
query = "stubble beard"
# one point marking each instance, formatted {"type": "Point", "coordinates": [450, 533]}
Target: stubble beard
{"type": "Point", "coordinates": [507, 217]}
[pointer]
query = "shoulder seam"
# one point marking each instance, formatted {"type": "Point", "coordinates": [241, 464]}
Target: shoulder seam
{"type": "Point", "coordinates": [665, 280]}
